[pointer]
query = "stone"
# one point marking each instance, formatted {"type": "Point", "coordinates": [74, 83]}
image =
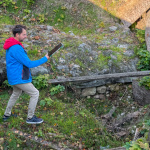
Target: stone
{"type": "Point", "coordinates": [88, 92]}
{"type": "Point", "coordinates": [78, 91]}
{"type": "Point", "coordinates": [96, 96]}
{"type": "Point", "coordinates": [113, 28]}
{"type": "Point", "coordinates": [124, 46]}
{"type": "Point", "coordinates": [101, 89]}
{"type": "Point", "coordinates": [113, 57]}
{"type": "Point", "coordinates": [6, 30]}
{"type": "Point", "coordinates": [140, 94]}
{"type": "Point", "coordinates": [107, 52]}
{"type": "Point", "coordinates": [63, 68]}
{"type": "Point", "coordinates": [129, 53]}
{"type": "Point", "coordinates": [38, 70]}
{"type": "Point", "coordinates": [115, 40]}
{"type": "Point", "coordinates": [61, 60]}
{"type": "Point", "coordinates": [83, 47]}
{"type": "Point", "coordinates": [102, 97]}
{"type": "Point", "coordinates": [25, 45]}
{"type": "Point", "coordinates": [112, 87]}
{"type": "Point", "coordinates": [49, 28]}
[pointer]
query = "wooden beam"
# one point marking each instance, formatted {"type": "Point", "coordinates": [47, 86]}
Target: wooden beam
{"type": "Point", "coordinates": [98, 77]}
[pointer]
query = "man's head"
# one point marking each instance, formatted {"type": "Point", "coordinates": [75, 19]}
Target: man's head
{"type": "Point", "coordinates": [19, 32]}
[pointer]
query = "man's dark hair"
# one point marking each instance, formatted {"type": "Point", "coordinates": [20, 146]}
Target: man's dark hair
{"type": "Point", "coordinates": [18, 29]}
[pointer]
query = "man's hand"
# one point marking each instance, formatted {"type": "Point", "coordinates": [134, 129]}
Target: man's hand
{"type": "Point", "coordinates": [47, 56]}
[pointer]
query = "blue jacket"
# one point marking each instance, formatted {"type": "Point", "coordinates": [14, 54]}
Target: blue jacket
{"type": "Point", "coordinates": [18, 65]}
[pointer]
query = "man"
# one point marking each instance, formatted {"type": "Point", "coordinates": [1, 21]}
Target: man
{"type": "Point", "coordinates": [19, 75]}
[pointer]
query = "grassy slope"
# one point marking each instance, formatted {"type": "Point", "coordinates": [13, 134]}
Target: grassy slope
{"type": "Point", "coordinates": [72, 120]}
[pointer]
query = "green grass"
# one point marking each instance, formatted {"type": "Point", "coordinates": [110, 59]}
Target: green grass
{"type": "Point", "coordinates": [5, 19]}
{"type": "Point", "coordinates": [70, 121]}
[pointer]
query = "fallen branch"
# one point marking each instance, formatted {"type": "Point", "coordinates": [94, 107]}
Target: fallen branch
{"type": "Point", "coordinates": [126, 118]}
{"type": "Point", "coordinates": [109, 115]}
{"type": "Point", "coordinates": [137, 131]}
{"type": "Point", "coordinates": [117, 148]}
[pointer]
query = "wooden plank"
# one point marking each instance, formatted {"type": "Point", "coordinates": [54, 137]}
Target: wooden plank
{"type": "Point", "coordinates": [98, 77]}
{"type": "Point", "coordinates": [147, 31]}
{"type": "Point", "coordinates": [118, 148]}
{"type": "Point", "coordinates": [132, 10]}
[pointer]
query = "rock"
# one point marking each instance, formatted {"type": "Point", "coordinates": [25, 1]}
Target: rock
{"type": "Point", "coordinates": [61, 60]}
{"type": "Point", "coordinates": [78, 91]}
{"type": "Point", "coordinates": [36, 42]}
{"type": "Point", "coordinates": [107, 52]}
{"type": "Point", "coordinates": [6, 30]}
{"type": "Point", "coordinates": [3, 74]}
{"type": "Point", "coordinates": [83, 47]}
{"type": "Point", "coordinates": [84, 37]}
{"type": "Point", "coordinates": [49, 28]}
{"type": "Point", "coordinates": [124, 46]}
{"type": "Point", "coordinates": [38, 70]}
{"type": "Point", "coordinates": [88, 92]}
{"type": "Point", "coordinates": [113, 28]}
{"type": "Point", "coordinates": [126, 30]}
{"type": "Point", "coordinates": [104, 43]}
{"type": "Point", "coordinates": [96, 96]}
{"type": "Point", "coordinates": [8, 26]}
{"type": "Point", "coordinates": [75, 70]}
{"type": "Point", "coordinates": [25, 45]}
{"type": "Point", "coordinates": [64, 68]}
{"type": "Point", "coordinates": [140, 94]}
{"type": "Point", "coordinates": [101, 89]}
{"type": "Point", "coordinates": [41, 27]}
{"type": "Point", "coordinates": [102, 97]}
{"type": "Point", "coordinates": [129, 53]}
{"type": "Point", "coordinates": [72, 34]}
{"type": "Point", "coordinates": [113, 57]}
{"type": "Point", "coordinates": [115, 40]}
{"type": "Point", "coordinates": [60, 77]}
{"type": "Point", "coordinates": [112, 87]}
{"type": "Point", "coordinates": [69, 55]}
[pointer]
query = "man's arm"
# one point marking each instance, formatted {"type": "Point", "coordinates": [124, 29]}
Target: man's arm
{"type": "Point", "coordinates": [18, 53]}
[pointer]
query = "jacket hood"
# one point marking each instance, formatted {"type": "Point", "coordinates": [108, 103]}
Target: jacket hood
{"type": "Point", "coordinates": [10, 42]}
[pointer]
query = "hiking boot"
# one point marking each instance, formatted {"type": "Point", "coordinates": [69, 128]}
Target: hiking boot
{"type": "Point", "coordinates": [5, 118]}
{"type": "Point", "coordinates": [34, 120]}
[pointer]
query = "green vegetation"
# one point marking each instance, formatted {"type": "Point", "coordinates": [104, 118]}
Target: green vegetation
{"type": "Point", "coordinates": [145, 81]}
{"type": "Point", "coordinates": [69, 121]}
{"type": "Point", "coordinates": [57, 89]}
{"type": "Point", "coordinates": [41, 81]}
{"type": "Point", "coordinates": [72, 120]}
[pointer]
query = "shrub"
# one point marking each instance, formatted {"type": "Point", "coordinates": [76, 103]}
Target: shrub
{"type": "Point", "coordinates": [47, 101]}
{"type": "Point", "coordinates": [41, 81]}
{"type": "Point", "coordinates": [57, 89]}
{"type": "Point", "coordinates": [144, 55]}
{"type": "Point", "coordinates": [6, 3]}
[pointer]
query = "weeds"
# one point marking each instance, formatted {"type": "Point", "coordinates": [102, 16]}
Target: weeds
{"type": "Point", "coordinates": [41, 81]}
{"type": "Point", "coordinates": [57, 89]}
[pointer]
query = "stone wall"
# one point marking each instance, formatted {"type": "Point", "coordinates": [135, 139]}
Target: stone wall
{"type": "Point", "coordinates": [100, 92]}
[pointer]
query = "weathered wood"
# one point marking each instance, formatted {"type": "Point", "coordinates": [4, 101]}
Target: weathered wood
{"type": "Point", "coordinates": [147, 31]}
{"type": "Point", "coordinates": [118, 148]}
{"type": "Point", "coordinates": [109, 115]}
{"type": "Point", "coordinates": [132, 10]}
{"type": "Point", "coordinates": [98, 77]}
{"type": "Point", "coordinates": [137, 132]}
{"type": "Point", "coordinates": [126, 118]}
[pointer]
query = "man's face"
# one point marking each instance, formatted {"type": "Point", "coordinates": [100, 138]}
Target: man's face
{"type": "Point", "coordinates": [22, 36]}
